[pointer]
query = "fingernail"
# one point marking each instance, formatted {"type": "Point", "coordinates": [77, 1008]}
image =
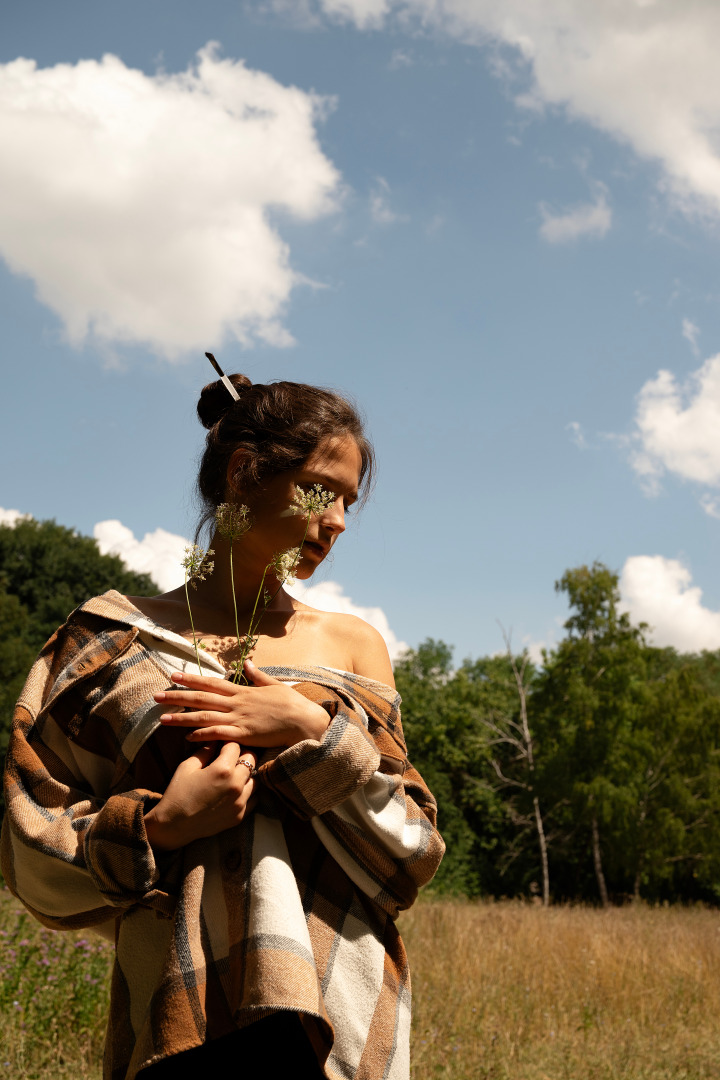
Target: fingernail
{"type": "Point", "coordinates": [160, 696]}
{"type": "Point", "coordinates": [177, 676]}
{"type": "Point", "coordinates": [165, 718]}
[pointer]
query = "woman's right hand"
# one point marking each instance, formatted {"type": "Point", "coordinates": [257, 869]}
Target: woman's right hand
{"type": "Point", "coordinates": [206, 795]}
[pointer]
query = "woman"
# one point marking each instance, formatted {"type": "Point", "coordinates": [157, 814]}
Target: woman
{"type": "Point", "coordinates": [252, 844]}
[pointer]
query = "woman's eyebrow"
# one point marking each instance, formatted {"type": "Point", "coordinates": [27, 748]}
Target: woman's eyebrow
{"type": "Point", "coordinates": [330, 484]}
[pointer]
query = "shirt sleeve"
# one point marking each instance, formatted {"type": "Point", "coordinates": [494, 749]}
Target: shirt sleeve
{"type": "Point", "coordinates": [368, 805]}
{"type": "Point", "coordinates": [74, 858]}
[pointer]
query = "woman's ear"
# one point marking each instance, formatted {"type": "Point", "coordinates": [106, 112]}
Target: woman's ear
{"type": "Point", "coordinates": [235, 477]}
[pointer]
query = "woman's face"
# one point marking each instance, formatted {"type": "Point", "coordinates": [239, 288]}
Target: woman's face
{"type": "Point", "coordinates": [335, 465]}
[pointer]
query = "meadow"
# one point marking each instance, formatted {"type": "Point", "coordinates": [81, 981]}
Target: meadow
{"type": "Point", "coordinates": [503, 991]}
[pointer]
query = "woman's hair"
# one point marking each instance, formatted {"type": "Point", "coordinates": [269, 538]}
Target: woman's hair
{"type": "Point", "coordinates": [279, 425]}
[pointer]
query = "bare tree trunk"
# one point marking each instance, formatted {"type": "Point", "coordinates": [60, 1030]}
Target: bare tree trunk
{"type": "Point", "coordinates": [529, 751]}
{"type": "Point", "coordinates": [543, 852]}
{"type": "Point", "coordinates": [597, 859]}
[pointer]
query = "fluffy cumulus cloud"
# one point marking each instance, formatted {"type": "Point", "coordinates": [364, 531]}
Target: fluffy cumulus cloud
{"type": "Point", "coordinates": [329, 596]}
{"type": "Point", "coordinates": [645, 71]}
{"type": "Point", "coordinates": [660, 592]}
{"type": "Point", "coordinates": [158, 554]}
{"type": "Point", "coordinates": [11, 517]}
{"type": "Point", "coordinates": [140, 205]}
{"type": "Point", "coordinates": [677, 429]}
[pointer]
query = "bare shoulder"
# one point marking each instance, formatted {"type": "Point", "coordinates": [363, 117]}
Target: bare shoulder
{"type": "Point", "coordinates": [365, 645]}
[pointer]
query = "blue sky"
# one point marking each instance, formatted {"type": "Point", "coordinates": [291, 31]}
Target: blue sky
{"type": "Point", "coordinates": [493, 230]}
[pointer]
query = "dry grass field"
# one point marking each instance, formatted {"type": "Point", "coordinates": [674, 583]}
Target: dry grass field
{"type": "Point", "coordinates": [509, 991]}
{"type": "Point", "coordinates": [503, 991]}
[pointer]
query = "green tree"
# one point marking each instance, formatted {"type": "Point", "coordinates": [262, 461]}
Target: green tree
{"type": "Point", "coordinates": [16, 656]}
{"type": "Point", "coordinates": [51, 569]}
{"type": "Point", "coordinates": [447, 745]}
{"type": "Point", "coordinates": [629, 744]}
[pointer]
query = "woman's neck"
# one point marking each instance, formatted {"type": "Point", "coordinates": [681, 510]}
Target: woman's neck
{"type": "Point", "coordinates": [216, 590]}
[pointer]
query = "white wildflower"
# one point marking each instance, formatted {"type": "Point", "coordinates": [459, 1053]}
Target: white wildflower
{"type": "Point", "coordinates": [197, 564]}
{"type": "Point", "coordinates": [232, 520]}
{"type": "Point", "coordinates": [284, 565]}
{"type": "Point", "coordinates": [311, 501]}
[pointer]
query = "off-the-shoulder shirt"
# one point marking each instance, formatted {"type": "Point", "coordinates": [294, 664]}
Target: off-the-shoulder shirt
{"type": "Point", "coordinates": [292, 909]}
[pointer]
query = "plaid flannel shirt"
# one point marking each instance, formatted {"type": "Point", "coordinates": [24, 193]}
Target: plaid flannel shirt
{"type": "Point", "coordinates": [292, 909]}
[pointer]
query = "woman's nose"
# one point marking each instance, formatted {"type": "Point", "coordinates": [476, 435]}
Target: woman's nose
{"type": "Point", "coordinates": [334, 517]}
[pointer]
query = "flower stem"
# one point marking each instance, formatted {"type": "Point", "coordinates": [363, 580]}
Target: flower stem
{"type": "Point", "coordinates": [244, 650]}
{"type": "Point", "coordinates": [235, 610]}
{"type": "Point", "coordinates": [192, 626]}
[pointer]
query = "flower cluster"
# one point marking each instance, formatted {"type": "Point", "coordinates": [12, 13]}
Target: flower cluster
{"type": "Point", "coordinates": [197, 564]}
{"type": "Point", "coordinates": [232, 520]}
{"type": "Point", "coordinates": [311, 501]}
{"type": "Point", "coordinates": [284, 565]}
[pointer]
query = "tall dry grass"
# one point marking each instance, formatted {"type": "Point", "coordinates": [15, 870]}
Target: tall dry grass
{"type": "Point", "coordinates": [515, 992]}
{"type": "Point", "coordinates": [502, 991]}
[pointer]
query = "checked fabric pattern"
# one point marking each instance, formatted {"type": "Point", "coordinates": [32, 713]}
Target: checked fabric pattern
{"type": "Point", "coordinates": [292, 909]}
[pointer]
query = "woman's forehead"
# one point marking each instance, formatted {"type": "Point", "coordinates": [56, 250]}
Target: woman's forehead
{"type": "Point", "coordinates": [337, 456]}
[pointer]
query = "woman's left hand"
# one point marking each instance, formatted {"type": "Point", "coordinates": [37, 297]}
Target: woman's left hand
{"type": "Point", "coordinates": [268, 713]}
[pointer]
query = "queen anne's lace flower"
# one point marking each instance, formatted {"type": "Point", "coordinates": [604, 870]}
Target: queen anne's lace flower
{"type": "Point", "coordinates": [232, 520]}
{"type": "Point", "coordinates": [197, 564]}
{"type": "Point", "coordinates": [284, 565]}
{"type": "Point", "coordinates": [313, 500]}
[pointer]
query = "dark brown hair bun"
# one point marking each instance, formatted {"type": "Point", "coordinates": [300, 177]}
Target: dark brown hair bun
{"type": "Point", "coordinates": [215, 399]}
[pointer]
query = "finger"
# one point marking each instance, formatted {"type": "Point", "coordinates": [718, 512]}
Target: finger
{"type": "Point", "coordinates": [246, 763]}
{"type": "Point", "coordinates": [229, 754]}
{"type": "Point", "coordinates": [258, 677]}
{"type": "Point", "coordinates": [199, 758]}
{"type": "Point", "coordinates": [193, 719]}
{"type": "Point", "coordinates": [218, 732]}
{"type": "Point", "coordinates": [181, 699]}
{"type": "Point", "coordinates": [201, 682]}
{"type": "Point", "coordinates": [247, 792]}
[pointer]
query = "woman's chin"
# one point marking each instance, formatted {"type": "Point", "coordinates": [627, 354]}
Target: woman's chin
{"type": "Point", "coordinates": [305, 570]}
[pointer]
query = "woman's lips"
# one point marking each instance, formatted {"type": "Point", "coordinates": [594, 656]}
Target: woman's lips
{"type": "Point", "coordinates": [316, 549]}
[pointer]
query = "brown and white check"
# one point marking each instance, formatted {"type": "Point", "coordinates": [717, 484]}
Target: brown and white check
{"type": "Point", "coordinates": [292, 909]}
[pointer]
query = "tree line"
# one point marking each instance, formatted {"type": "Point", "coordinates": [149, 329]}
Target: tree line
{"type": "Point", "coordinates": [594, 775]}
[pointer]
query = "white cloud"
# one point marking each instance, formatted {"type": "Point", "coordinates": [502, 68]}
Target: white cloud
{"type": "Point", "coordinates": [380, 209]}
{"type": "Point", "coordinates": [645, 72]}
{"type": "Point", "coordinates": [576, 434]}
{"type": "Point", "coordinates": [691, 333]}
{"type": "Point", "coordinates": [589, 219]}
{"type": "Point", "coordinates": [158, 554]}
{"type": "Point", "coordinates": [400, 58]}
{"type": "Point", "coordinates": [660, 592]}
{"type": "Point", "coordinates": [677, 427]}
{"type": "Point", "coordinates": [11, 517]}
{"type": "Point", "coordinates": [711, 505]}
{"type": "Point", "coordinates": [139, 205]}
{"type": "Point", "coordinates": [366, 14]}
{"type": "Point", "coordinates": [329, 596]}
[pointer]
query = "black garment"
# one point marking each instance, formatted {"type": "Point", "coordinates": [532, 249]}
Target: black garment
{"type": "Point", "coordinates": [271, 1049]}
